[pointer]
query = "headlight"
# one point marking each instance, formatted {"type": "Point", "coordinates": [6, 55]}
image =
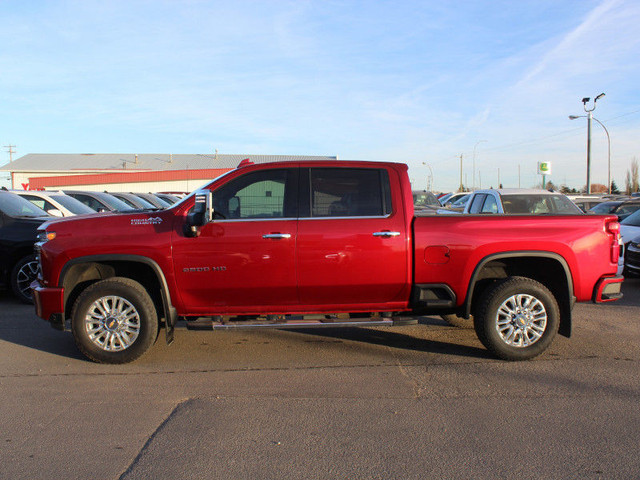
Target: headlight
{"type": "Point", "coordinates": [45, 236]}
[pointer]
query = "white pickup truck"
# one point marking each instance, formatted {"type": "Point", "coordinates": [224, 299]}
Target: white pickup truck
{"type": "Point", "coordinates": [520, 201]}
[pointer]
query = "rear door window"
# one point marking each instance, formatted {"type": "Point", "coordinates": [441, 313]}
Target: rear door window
{"type": "Point", "coordinates": [349, 192]}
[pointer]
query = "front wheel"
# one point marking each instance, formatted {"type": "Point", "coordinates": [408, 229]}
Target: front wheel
{"type": "Point", "coordinates": [114, 321]}
{"type": "Point", "coordinates": [517, 319]}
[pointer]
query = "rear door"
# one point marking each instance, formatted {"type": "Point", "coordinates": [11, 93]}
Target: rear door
{"type": "Point", "coordinates": [352, 239]}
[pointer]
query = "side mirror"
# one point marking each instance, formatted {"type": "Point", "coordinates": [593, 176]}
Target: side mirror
{"type": "Point", "coordinates": [200, 214]}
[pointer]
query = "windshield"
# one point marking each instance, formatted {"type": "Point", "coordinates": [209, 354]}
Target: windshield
{"type": "Point", "coordinates": [206, 184]}
{"type": "Point", "coordinates": [71, 204]}
{"type": "Point", "coordinates": [423, 199]}
{"type": "Point", "coordinates": [115, 203]}
{"type": "Point", "coordinates": [633, 219]}
{"type": "Point", "coordinates": [537, 204]}
{"type": "Point", "coordinates": [16, 206]}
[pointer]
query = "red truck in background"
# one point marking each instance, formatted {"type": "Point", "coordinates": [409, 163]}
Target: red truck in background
{"type": "Point", "coordinates": [302, 244]}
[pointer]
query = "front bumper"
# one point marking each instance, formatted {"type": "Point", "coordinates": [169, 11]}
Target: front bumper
{"type": "Point", "coordinates": [608, 289]}
{"type": "Point", "coordinates": [49, 304]}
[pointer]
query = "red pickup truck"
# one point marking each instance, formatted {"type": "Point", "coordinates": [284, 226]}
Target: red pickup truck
{"type": "Point", "coordinates": [302, 244]}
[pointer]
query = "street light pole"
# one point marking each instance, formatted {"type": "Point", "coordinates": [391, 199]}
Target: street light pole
{"type": "Point", "coordinates": [430, 179]}
{"type": "Point", "coordinates": [589, 118]}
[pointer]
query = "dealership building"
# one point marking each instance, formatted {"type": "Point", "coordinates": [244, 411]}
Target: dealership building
{"type": "Point", "coordinates": [145, 172]}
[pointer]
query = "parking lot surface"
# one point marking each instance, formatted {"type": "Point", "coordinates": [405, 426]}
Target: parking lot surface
{"type": "Point", "coordinates": [421, 401]}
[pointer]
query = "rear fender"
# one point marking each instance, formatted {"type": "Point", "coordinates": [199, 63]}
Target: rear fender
{"type": "Point", "coordinates": [564, 294]}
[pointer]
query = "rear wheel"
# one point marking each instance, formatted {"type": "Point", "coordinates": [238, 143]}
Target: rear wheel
{"type": "Point", "coordinates": [114, 321]}
{"type": "Point", "coordinates": [23, 273]}
{"type": "Point", "coordinates": [517, 318]}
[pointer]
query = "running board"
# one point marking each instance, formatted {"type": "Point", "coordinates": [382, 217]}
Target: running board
{"type": "Point", "coordinates": [207, 323]}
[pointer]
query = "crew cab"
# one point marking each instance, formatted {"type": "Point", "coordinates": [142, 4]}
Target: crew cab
{"type": "Point", "coordinates": [326, 244]}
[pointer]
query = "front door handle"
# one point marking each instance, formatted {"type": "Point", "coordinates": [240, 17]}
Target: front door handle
{"type": "Point", "coordinates": [276, 235]}
{"type": "Point", "coordinates": [386, 234]}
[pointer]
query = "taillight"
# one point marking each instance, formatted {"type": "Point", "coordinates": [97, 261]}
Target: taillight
{"type": "Point", "coordinates": [613, 228]}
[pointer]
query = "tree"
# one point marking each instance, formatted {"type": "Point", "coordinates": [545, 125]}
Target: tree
{"type": "Point", "coordinates": [614, 187]}
{"type": "Point", "coordinates": [598, 188]}
{"type": "Point", "coordinates": [633, 181]}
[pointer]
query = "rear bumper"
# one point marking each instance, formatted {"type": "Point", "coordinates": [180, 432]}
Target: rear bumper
{"type": "Point", "coordinates": [608, 289]}
{"type": "Point", "coordinates": [49, 304]}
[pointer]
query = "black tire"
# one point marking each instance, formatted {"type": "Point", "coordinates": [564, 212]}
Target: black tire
{"type": "Point", "coordinates": [456, 321]}
{"type": "Point", "coordinates": [104, 337]}
{"type": "Point", "coordinates": [517, 328]}
{"type": "Point", "coordinates": [22, 274]}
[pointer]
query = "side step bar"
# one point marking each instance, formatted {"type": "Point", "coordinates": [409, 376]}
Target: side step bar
{"type": "Point", "coordinates": [215, 323]}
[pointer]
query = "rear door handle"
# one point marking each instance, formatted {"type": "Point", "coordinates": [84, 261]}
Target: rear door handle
{"type": "Point", "coordinates": [276, 236]}
{"type": "Point", "coordinates": [386, 234]}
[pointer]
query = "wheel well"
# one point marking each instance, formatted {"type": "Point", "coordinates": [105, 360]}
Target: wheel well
{"type": "Point", "coordinates": [79, 276]}
{"type": "Point", "coordinates": [549, 271]}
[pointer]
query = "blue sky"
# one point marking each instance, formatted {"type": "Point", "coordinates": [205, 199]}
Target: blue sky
{"type": "Point", "coordinates": [407, 81]}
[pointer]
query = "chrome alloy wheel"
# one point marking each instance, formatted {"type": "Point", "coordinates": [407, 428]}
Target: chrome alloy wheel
{"type": "Point", "coordinates": [27, 274]}
{"type": "Point", "coordinates": [112, 323]}
{"type": "Point", "coordinates": [521, 320]}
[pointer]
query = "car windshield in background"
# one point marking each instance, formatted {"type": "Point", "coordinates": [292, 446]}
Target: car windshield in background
{"type": "Point", "coordinates": [71, 204]}
{"type": "Point", "coordinates": [604, 207]}
{"type": "Point", "coordinates": [633, 219]}
{"type": "Point", "coordinates": [422, 199]}
{"type": "Point", "coordinates": [115, 203]}
{"type": "Point", "coordinates": [539, 204]}
{"type": "Point", "coordinates": [16, 206]}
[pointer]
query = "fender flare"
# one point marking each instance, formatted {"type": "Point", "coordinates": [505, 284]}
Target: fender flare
{"type": "Point", "coordinates": [170, 313]}
{"type": "Point", "coordinates": [565, 324]}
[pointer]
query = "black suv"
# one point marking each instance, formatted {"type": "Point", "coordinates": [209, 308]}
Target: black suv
{"type": "Point", "coordinates": [19, 221]}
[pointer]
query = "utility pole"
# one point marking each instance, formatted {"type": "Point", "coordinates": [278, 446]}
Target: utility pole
{"type": "Point", "coordinates": [461, 185]}
{"type": "Point", "coordinates": [11, 151]}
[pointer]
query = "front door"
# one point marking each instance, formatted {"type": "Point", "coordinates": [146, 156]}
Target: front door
{"type": "Point", "coordinates": [244, 260]}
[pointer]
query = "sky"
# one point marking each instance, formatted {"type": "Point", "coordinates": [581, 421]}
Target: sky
{"type": "Point", "coordinates": [418, 82]}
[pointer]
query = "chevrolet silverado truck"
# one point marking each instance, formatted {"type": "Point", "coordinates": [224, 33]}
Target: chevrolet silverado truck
{"type": "Point", "coordinates": [325, 244]}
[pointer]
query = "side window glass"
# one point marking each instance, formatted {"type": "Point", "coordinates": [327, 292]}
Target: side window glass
{"type": "Point", "coordinates": [263, 194]}
{"type": "Point", "coordinates": [349, 192]}
{"type": "Point", "coordinates": [89, 201]}
{"type": "Point", "coordinates": [477, 203]}
{"type": "Point", "coordinates": [490, 205]}
{"type": "Point", "coordinates": [37, 201]}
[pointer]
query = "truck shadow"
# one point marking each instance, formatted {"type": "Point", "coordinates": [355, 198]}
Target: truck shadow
{"type": "Point", "coordinates": [396, 339]}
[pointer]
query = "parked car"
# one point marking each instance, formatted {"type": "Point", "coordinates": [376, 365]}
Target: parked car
{"type": "Point", "coordinates": [168, 197]}
{"type": "Point", "coordinates": [19, 221]}
{"type": "Point", "coordinates": [520, 201]}
{"type": "Point", "coordinates": [152, 199]}
{"type": "Point", "coordinates": [267, 242]}
{"type": "Point", "coordinates": [632, 258]}
{"type": "Point", "coordinates": [99, 201]}
{"type": "Point", "coordinates": [627, 208]}
{"type": "Point", "coordinates": [133, 201]}
{"type": "Point", "coordinates": [451, 198]}
{"type": "Point", "coordinates": [605, 208]}
{"type": "Point", "coordinates": [630, 228]}
{"type": "Point", "coordinates": [425, 203]}
{"type": "Point", "coordinates": [55, 203]}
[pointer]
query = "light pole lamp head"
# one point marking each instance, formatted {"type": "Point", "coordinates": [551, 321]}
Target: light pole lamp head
{"type": "Point", "coordinates": [585, 100]}
{"type": "Point", "coordinates": [573, 117]}
{"type": "Point", "coordinates": [598, 97]}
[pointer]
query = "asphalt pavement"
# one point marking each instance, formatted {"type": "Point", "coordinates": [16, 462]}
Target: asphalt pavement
{"type": "Point", "coordinates": [421, 401]}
